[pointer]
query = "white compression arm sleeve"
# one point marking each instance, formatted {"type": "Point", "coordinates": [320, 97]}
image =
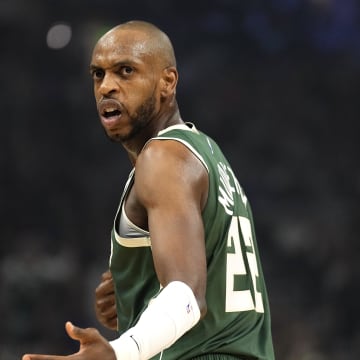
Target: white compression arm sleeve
{"type": "Point", "coordinates": [168, 316]}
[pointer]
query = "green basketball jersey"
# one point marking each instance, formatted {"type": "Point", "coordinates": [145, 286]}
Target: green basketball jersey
{"type": "Point", "coordinates": [238, 316]}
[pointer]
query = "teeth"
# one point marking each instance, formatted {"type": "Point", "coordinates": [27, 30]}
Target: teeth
{"type": "Point", "coordinates": [110, 109]}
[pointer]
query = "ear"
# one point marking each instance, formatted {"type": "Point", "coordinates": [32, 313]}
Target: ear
{"type": "Point", "coordinates": [168, 82]}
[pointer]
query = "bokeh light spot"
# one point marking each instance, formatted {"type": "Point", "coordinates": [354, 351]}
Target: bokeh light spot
{"type": "Point", "coordinates": [58, 36]}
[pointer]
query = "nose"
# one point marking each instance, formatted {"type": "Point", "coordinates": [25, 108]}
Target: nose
{"type": "Point", "coordinates": [108, 85]}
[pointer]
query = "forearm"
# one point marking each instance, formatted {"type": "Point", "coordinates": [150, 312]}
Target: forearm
{"type": "Point", "coordinates": [168, 316]}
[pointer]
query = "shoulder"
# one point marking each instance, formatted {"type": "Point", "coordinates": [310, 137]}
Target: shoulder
{"type": "Point", "coordinates": [164, 149]}
{"type": "Point", "coordinates": [169, 164]}
{"type": "Point", "coordinates": [168, 158]}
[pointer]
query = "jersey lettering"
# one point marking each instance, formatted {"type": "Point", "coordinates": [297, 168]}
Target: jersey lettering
{"type": "Point", "coordinates": [228, 186]}
{"type": "Point", "coordinates": [226, 190]}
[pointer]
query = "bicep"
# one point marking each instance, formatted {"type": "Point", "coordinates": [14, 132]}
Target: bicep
{"type": "Point", "coordinates": [178, 244]}
{"type": "Point", "coordinates": [171, 184]}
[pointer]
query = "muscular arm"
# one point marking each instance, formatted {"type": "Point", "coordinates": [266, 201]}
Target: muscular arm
{"type": "Point", "coordinates": [172, 185]}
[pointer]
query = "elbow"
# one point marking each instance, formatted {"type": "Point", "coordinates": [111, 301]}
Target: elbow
{"type": "Point", "coordinates": [203, 308]}
{"type": "Point", "coordinates": [201, 302]}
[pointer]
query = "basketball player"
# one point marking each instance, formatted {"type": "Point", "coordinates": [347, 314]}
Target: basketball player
{"type": "Point", "coordinates": [188, 282]}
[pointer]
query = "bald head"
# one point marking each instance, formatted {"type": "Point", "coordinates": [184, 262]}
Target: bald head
{"type": "Point", "coordinates": [134, 75]}
{"type": "Point", "coordinates": [144, 38]}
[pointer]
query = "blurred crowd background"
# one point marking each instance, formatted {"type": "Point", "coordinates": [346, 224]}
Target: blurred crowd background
{"type": "Point", "coordinates": [275, 82]}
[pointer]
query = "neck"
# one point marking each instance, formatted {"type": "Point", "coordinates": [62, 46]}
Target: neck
{"type": "Point", "coordinates": [163, 121]}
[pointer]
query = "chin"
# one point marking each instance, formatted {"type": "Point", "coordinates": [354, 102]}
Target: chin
{"type": "Point", "coordinates": [116, 138]}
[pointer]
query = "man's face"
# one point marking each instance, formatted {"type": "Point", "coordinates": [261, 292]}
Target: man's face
{"type": "Point", "coordinates": [125, 84]}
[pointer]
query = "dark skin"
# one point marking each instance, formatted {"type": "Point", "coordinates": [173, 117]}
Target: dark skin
{"type": "Point", "coordinates": [135, 79]}
{"type": "Point", "coordinates": [105, 308]}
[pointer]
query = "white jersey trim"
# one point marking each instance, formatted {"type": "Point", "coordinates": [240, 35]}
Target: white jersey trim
{"type": "Point", "coordinates": [186, 126]}
{"type": "Point", "coordinates": [133, 242]}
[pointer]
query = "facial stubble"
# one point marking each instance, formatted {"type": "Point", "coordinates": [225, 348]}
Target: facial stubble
{"type": "Point", "coordinates": [138, 121]}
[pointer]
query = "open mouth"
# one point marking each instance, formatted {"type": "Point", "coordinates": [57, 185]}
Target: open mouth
{"type": "Point", "coordinates": [110, 110]}
{"type": "Point", "coordinates": [108, 113]}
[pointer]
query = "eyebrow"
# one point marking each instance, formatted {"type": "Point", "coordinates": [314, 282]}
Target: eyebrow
{"type": "Point", "coordinates": [93, 67]}
{"type": "Point", "coordinates": [124, 62]}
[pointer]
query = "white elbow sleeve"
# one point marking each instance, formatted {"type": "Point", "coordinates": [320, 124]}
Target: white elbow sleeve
{"type": "Point", "coordinates": [168, 316]}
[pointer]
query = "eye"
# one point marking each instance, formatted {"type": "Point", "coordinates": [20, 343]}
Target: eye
{"type": "Point", "coordinates": [126, 70]}
{"type": "Point", "coordinates": [97, 74]}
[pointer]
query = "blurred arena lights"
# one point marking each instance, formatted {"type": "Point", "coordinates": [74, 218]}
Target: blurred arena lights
{"type": "Point", "coordinates": [58, 36]}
